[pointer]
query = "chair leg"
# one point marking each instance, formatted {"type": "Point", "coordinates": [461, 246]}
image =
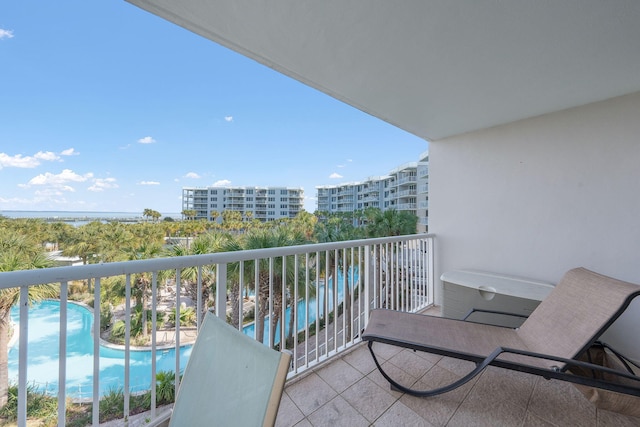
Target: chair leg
{"type": "Point", "coordinates": [436, 391]}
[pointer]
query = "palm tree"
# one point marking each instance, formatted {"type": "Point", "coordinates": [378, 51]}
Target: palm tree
{"type": "Point", "coordinates": [189, 213]}
{"type": "Point", "coordinates": [390, 222]}
{"type": "Point", "coordinates": [269, 238]}
{"type": "Point", "coordinates": [142, 281]}
{"type": "Point", "coordinates": [17, 253]}
{"type": "Point", "coordinates": [336, 229]}
{"type": "Point", "coordinates": [205, 243]}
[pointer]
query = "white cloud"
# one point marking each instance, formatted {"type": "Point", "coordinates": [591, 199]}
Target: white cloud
{"type": "Point", "coordinates": [101, 184]}
{"type": "Point", "coordinates": [192, 175]}
{"type": "Point", "coordinates": [69, 152]}
{"type": "Point", "coordinates": [228, 118]}
{"type": "Point", "coordinates": [29, 162]}
{"type": "Point", "coordinates": [221, 183]}
{"type": "Point", "coordinates": [146, 140]}
{"type": "Point", "coordinates": [58, 181]}
{"type": "Point", "coordinates": [335, 176]}
{"type": "Point", "coordinates": [148, 183]}
{"type": "Point", "coordinates": [17, 161]}
{"type": "Point", "coordinates": [49, 192]}
{"type": "Point", "coordinates": [46, 155]}
{"type": "Point", "coordinates": [6, 34]}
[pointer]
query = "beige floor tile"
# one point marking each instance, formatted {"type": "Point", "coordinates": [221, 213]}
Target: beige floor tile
{"type": "Point", "coordinates": [562, 404]}
{"type": "Point", "coordinates": [531, 420]}
{"type": "Point", "coordinates": [411, 363]}
{"type": "Point", "coordinates": [339, 375]}
{"type": "Point", "coordinates": [437, 410]}
{"type": "Point", "coordinates": [368, 398]}
{"type": "Point", "coordinates": [310, 393]}
{"type": "Point", "coordinates": [501, 385]}
{"type": "Point", "coordinates": [288, 413]}
{"type": "Point", "coordinates": [614, 419]}
{"type": "Point", "coordinates": [400, 415]}
{"type": "Point", "coordinates": [361, 360]}
{"type": "Point", "coordinates": [396, 374]}
{"type": "Point", "coordinates": [487, 413]}
{"type": "Point", "coordinates": [337, 413]}
{"type": "Point", "coordinates": [385, 352]}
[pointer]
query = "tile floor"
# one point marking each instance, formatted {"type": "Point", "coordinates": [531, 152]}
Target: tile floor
{"type": "Point", "coordinates": [349, 391]}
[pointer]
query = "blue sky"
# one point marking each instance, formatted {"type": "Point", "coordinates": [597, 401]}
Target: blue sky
{"type": "Point", "coordinates": [105, 107]}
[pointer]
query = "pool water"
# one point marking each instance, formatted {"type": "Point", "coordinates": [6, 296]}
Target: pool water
{"type": "Point", "coordinates": [43, 355]}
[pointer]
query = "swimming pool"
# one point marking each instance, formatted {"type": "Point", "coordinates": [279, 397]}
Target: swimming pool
{"type": "Point", "coordinates": [43, 355]}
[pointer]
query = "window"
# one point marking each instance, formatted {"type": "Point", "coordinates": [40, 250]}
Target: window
{"type": "Point", "coordinates": [271, 206]}
{"type": "Point", "coordinates": [272, 191]}
{"type": "Point", "coordinates": [271, 199]}
{"type": "Point", "coordinates": [283, 192]}
{"type": "Point", "coordinates": [214, 191]}
{"type": "Point", "coordinates": [249, 191]}
{"type": "Point", "coordinates": [214, 199]}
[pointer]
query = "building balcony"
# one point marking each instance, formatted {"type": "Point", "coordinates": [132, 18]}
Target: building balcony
{"type": "Point", "coordinates": [332, 379]}
{"type": "Point", "coordinates": [410, 192]}
{"type": "Point", "coordinates": [394, 272]}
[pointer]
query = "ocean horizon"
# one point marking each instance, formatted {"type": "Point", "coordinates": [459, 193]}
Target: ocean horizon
{"type": "Point", "coordinates": [80, 214]}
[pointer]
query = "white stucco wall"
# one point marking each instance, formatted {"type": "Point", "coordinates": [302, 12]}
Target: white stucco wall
{"type": "Point", "coordinates": [537, 197]}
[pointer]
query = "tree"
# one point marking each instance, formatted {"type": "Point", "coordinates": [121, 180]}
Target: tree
{"type": "Point", "coordinates": [17, 253]}
{"type": "Point", "coordinates": [260, 239]}
{"type": "Point", "coordinates": [141, 285]}
{"type": "Point", "coordinates": [150, 213]}
{"type": "Point", "coordinates": [189, 213]}
{"type": "Point", "coordinates": [205, 243]}
{"type": "Point", "coordinates": [390, 222]}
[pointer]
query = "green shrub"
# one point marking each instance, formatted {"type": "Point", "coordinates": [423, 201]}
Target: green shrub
{"type": "Point", "coordinates": [165, 387]}
{"type": "Point", "coordinates": [187, 317]}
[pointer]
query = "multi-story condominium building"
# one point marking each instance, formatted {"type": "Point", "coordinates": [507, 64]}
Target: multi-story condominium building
{"type": "Point", "coordinates": [406, 188]}
{"type": "Point", "coordinates": [262, 203]}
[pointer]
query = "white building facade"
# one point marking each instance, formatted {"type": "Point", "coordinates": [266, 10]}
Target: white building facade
{"type": "Point", "coordinates": [262, 203]}
{"type": "Point", "coordinates": [406, 188]}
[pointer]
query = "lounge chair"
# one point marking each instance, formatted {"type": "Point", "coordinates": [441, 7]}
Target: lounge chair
{"type": "Point", "coordinates": [230, 380]}
{"type": "Point", "coordinates": [549, 343]}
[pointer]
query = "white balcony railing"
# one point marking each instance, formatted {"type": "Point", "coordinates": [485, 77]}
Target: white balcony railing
{"type": "Point", "coordinates": [296, 283]}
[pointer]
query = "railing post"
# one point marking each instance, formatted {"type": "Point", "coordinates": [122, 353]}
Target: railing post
{"type": "Point", "coordinates": [62, 355]}
{"type": "Point", "coordinates": [22, 361]}
{"type": "Point", "coordinates": [221, 291]}
{"type": "Point", "coordinates": [367, 283]}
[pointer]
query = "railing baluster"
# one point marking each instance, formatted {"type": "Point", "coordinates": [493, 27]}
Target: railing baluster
{"type": "Point", "coordinates": [96, 352]}
{"type": "Point", "coordinates": [395, 273]}
{"type": "Point", "coordinates": [22, 358]}
{"type": "Point", "coordinates": [62, 356]}
{"type": "Point", "coordinates": [154, 325]}
{"type": "Point", "coordinates": [127, 346]}
{"type": "Point", "coordinates": [177, 332]}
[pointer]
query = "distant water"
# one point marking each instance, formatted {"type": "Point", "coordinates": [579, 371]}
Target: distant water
{"type": "Point", "coordinates": [78, 214]}
{"type": "Point", "coordinates": [82, 216]}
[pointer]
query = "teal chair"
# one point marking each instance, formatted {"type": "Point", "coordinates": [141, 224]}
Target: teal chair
{"type": "Point", "coordinates": [230, 380]}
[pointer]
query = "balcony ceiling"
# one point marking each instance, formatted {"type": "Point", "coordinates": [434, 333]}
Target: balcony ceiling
{"type": "Point", "coordinates": [434, 68]}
